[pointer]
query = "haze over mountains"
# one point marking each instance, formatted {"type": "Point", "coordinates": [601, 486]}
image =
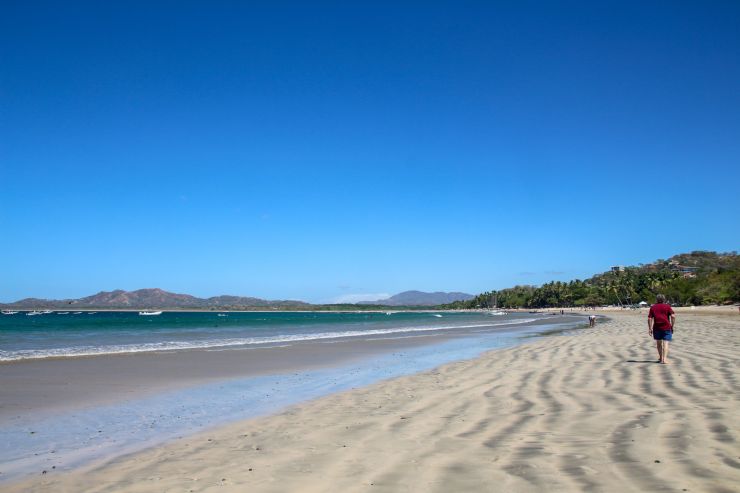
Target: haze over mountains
{"type": "Point", "coordinates": [158, 298]}
{"type": "Point", "coordinates": [420, 298]}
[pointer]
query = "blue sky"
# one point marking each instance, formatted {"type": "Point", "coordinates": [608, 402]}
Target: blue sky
{"type": "Point", "coordinates": [327, 151]}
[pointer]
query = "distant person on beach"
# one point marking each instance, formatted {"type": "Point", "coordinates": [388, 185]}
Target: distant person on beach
{"type": "Point", "coordinates": [592, 320]}
{"type": "Point", "coordinates": [660, 326]}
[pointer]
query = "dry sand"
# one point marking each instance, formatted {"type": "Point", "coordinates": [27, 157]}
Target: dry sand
{"type": "Point", "coordinates": [588, 412]}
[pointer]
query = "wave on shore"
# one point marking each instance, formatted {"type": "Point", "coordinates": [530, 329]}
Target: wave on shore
{"type": "Point", "coordinates": [175, 345]}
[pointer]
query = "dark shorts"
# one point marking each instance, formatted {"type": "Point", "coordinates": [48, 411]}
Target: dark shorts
{"type": "Point", "coordinates": [662, 335]}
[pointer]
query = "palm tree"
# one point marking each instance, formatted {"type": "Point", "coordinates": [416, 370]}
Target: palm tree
{"type": "Point", "coordinates": [613, 287]}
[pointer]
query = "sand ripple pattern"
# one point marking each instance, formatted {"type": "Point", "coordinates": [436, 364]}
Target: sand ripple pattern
{"type": "Point", "coordinates": [590, 412]}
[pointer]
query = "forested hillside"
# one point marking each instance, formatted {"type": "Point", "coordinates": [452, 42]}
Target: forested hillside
{"type": "Point", "coordinates": [696, 278]}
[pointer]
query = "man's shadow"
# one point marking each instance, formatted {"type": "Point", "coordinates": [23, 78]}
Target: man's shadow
{"type": "Point", "coordinates": [641, 361]}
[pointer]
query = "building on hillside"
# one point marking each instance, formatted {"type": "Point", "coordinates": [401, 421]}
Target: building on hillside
{"type": "Point", "coordinates": [617, 268]}
{"type": "Point", "coordinates": [684, 270]}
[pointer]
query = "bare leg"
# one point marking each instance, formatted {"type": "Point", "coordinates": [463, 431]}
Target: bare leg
{"type": "Point", "coordinates": [665, 352]}
{"type": "Point", "coordinates": [660, 350]}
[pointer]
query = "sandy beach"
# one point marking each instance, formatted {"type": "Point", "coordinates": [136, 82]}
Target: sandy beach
{"type": "Point", "coordinates": [587, 411]}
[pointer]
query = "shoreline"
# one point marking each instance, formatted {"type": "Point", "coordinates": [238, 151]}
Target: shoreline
{"type": "Point", "coordinates": [731, 309]}
{"type": "Point", "coordinates": [586, 412]}
{"type": "Point", "coordinates": [261, 340]}
{"type": "Point", "coordinates": [56, 401]}
{"type": "Point", "coordinates": [55, 384]}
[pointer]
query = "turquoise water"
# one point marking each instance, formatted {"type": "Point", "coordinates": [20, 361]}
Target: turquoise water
{"type": "Point", "coordinates": [25, 337]}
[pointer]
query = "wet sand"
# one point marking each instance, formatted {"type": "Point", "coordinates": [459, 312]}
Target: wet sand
{"type": "Point", "coordinates": [585, 412]}
{"type": "Point", "coordinates": [53, 385]}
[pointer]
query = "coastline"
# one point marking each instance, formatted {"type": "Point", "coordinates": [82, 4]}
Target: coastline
{"type": "Point", "coordinates": [590, 411]}
{"type": "Point", "coordinates": [62, 412]}
{"type": "Point", "coordinates": [53, 383]}
{"type": "Point", "coordinates": [700, 309]}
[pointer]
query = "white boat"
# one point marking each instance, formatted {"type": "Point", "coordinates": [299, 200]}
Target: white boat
{"type": "Point", "coordinates": [9, 312]}
{"type": "Point", "coordinates": [495, 310]}
{"type": "Point", "coordinates": [91, 313]}
{"type": "Point", "coordinates": [150, 313]}
{"type": "Point", "coordinates": [220, 315]}
{"type": "Point", "coordinates": [35, 312]}
{"type": "Point", "coordinates": [46, 312]}
{"type": "Point", "coordinates": [77, 313]}
{"type": "Point", "coordinates": [436, 315]}
{"type": "Point", "coordinates": [62, 313]}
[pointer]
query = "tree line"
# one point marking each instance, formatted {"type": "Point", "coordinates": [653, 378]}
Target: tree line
{"type": "Point", "coordinates": [696, 278]}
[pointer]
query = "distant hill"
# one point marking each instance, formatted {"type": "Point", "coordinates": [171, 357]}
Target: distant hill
{"type": "Point", "coordinates": [420, 298]}
{"type": "Point", "coordinates": [159, 298]}
{"type": "Point", "coordinates": [154, 298]}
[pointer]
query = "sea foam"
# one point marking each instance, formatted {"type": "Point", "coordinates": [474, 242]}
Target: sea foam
{"type": "Point", "coordinates": [91, 350]}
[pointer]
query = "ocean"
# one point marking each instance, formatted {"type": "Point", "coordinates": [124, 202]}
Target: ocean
{"type": "Point", "coordinates": [75, 334]}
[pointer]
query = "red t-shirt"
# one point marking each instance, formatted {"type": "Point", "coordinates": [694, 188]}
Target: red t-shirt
{"type": "Point", "coordinates": [661, 312]}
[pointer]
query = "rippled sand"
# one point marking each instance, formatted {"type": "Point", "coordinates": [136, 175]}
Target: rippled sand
{"type": "Point", "coordinates": [585, 412]}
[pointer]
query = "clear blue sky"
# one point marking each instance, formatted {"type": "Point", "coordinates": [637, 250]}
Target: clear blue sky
{"type": "Point", "coordinates": [316, 150]}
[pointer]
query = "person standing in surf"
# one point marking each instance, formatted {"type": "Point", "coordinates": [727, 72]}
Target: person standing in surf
{"type": "Point", "coordinates": [660, 326]}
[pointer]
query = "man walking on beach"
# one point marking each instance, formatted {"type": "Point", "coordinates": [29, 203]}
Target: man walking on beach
{"type": "Point", "coordinates": [660, 325]}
